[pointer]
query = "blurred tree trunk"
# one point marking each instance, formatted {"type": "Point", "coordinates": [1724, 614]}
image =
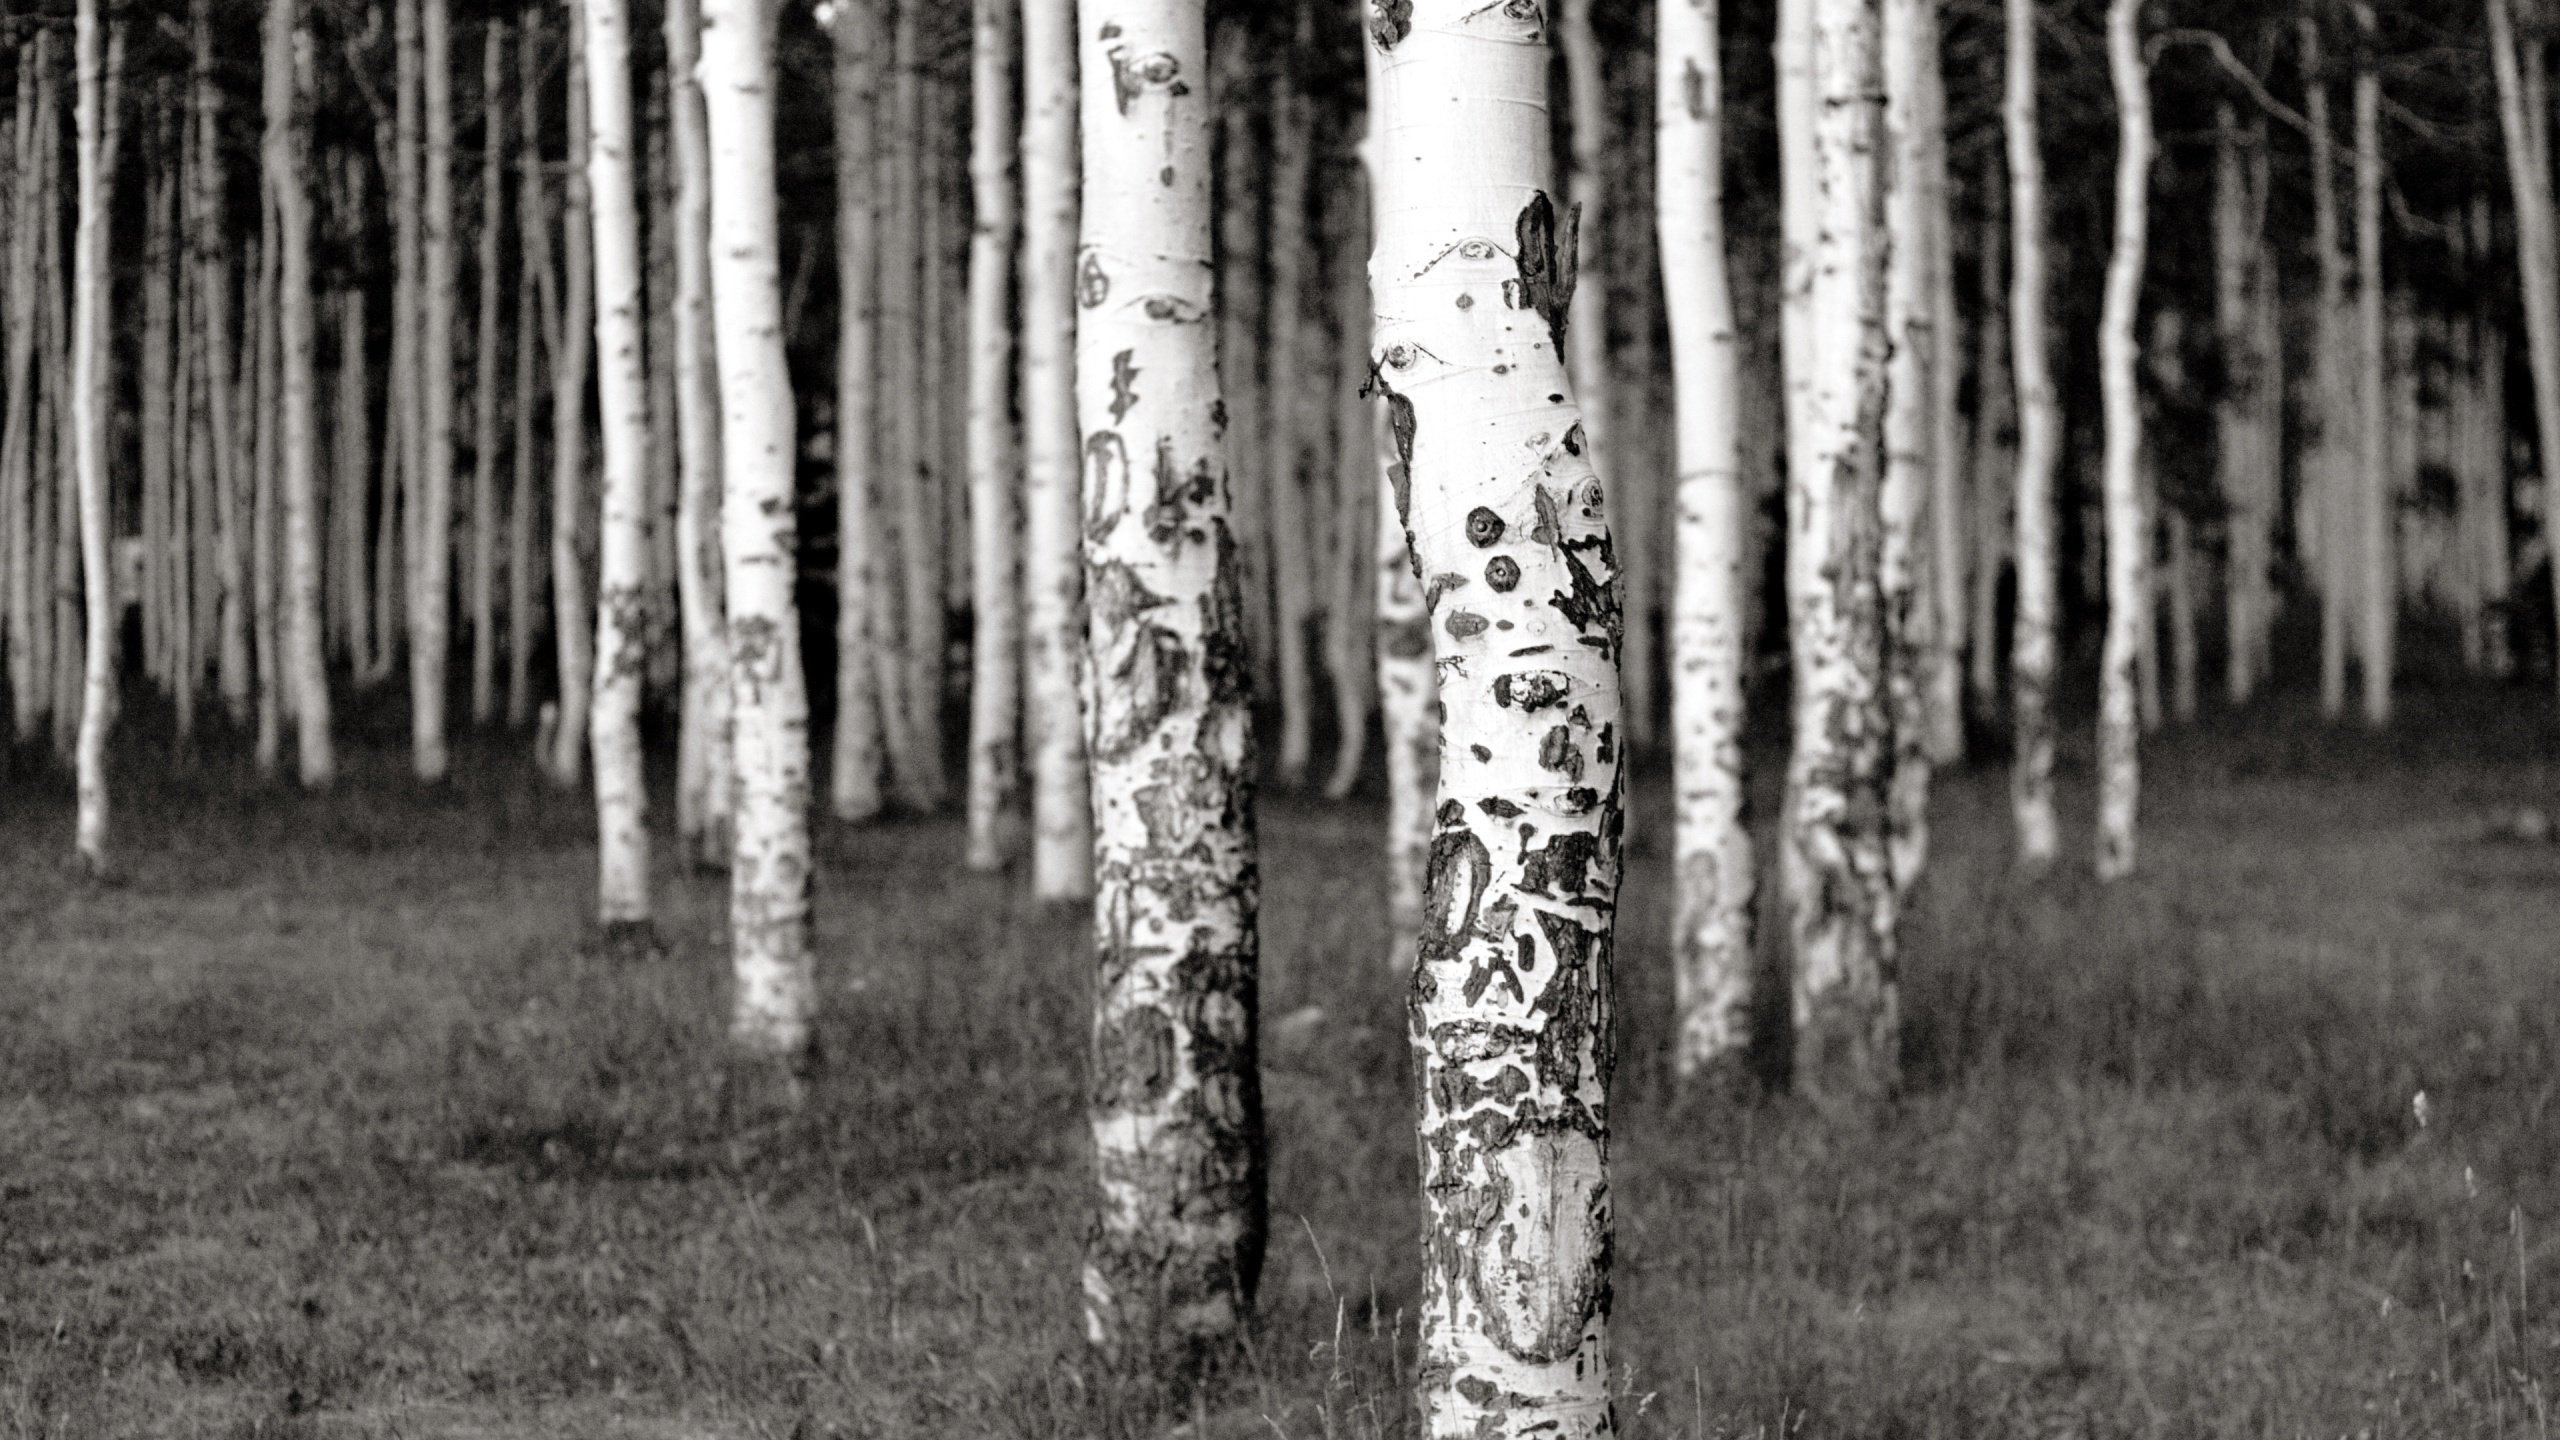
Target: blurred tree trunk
{"type": "Point", "coordinates": [2480, 396]}
{"type": "Point", "coordinates": [101, 67]}
{"type": "Point", "coordinates": [865, 612]}
{"type": "Point", "coordinates": [2247, 455]}
{"type": "Point", "coordinates": [2329, 476]}
{"type": "Point", "coordinates": [537, 328]}
{"type": "Point", "coordinates": [351, 434]}
{"type": "Point", "coordinates": [2032, 643]}
{"type": "Point", "coordinates": [1914, 329]}
{"type": "Point", "coordinates": [1242, 321]}
{"type": "Point", "coordinates": [288, 157]}
{"type": "Point", "coordinates": [2128, 529]}
{"type": "Point", "coordinates": [572, 628]}
{"type": "Point", "coordinates": [1053, 579]}
{"type": "Point", "coordinates": [622, 384]}
{"type": "Point", "coordinates": [261, 365]}
{"type": "Point", "coordinates": [1994, 458]}
{"type": "Point", "coordinates": [706, 779]}
{"type": "Point", "coordinates": [213, 262]}
{"type": "Point", "coordinates": [484, 408]}
{"type": "Point", "coordinates": [1350, 625]}
{"type": "Point", "coordinates": [665, 467]}
{"type": "Point", "coordinates": [1943, 664]}
{"type": "Point", "coordinates": [908, 454]}
{"type": "Point", "coordinates": [159, 300]}
{"type": "Point", "coordinates": [1284, 436]}
{"type": "Point", "coordinates": [1177, 1108]}
{"type": "Point", "coordinates": [1714, 870]}
{"type": "Point", "coordinates": [994, 450]}
{"type": "Point", "coordinates": [759, 530]}
{"type": "Point", "coordinates": [1586, 352]}
{"type": "Point", "coordinates": [1511, 999]}
{"type": "Point", "coordinates": [2378, 509]}
{"type": "Point", "coordinates": [18, 473]}
{"type": "Point", "coordinates": [431, 484]}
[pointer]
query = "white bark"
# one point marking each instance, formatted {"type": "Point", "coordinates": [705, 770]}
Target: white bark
{"type": "Point", "coordinates": [572, 631]}
{"type": "Point", "coordinates": [995, 506]}
{"type": "Point", "coordinates": [2329, 472]}
{"type": "Point", "coordinates": [2032, 638]}
{"type": "Point", "coordinates": [214, 286]}
{"type": "Point", "coordinates": [1473, 277]}
{"type": "Point", "coordinates": [770, 874]}
{"type": "Point", "coordinates": [1713, 870]}
{"type": "Point", "coordinates": [288, 157]}
{"type": "Point", "coordinates": [861, 616]}
{"type": "Point", "coordinates": [1586, 356]}
{"type": "Point", "coordinates": [1176, 1110]}
{"type": "Point", "coordinates": [2377, 508]}
{"type": "Point", "coordinates": [484, 409]}
{"type": "Point", "coordinates": [1052, 568]}
{"type": "Point", "coordinates": [706, 782]}
{"type": "Point", "coordinates": [909, 459]}
{"type": "Point", "coordinates": [1911, 457]}
{"type": "Point", "coordinates": [431, 484]}
{"type": "Point", "coordinates": [622, 579]}
{"type": "Point", "coordinates": [2128, 535]}
{"type": "Point", "coordinates": [97, 59]}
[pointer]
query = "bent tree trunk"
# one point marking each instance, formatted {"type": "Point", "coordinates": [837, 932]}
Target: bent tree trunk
{"type": "Point", "coordinates": [2128, 523]}
{"type": "Point", "coordinates": [1711, 938]}
{"type": "Point", "coordinates": [769, 874]}
{"type": "Point", "coordinates": [706, 784]}
{"type": "Point", "coordinates": [622, 795]}
{"type": "Point", "coordinates": [2031, 638]}
{"type": "Point", "coordinates": [1473, 278]}
{"type": "Point", "coordinates": [2524, 119]}
{"type": "Point", "coordinates": [1177, 1103]}
{"type": "Point", "coordinates": [89, 401]}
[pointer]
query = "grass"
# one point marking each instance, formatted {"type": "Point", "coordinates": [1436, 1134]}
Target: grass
{"type": "Point", "coordinates": [327, 1120]}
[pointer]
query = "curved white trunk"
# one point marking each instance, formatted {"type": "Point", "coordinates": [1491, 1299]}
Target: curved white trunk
{"type": "Point", "coordinates": [1052, 567]}
{"type": "Point", "coordinates": [706, 788]}
{"type": "Point", "coordinates": [622, 580]}
{"type": "Point", "coordinates": [2032, 639]}
{"type": "Point", "coordinates": [572, 626]}
{"type": "Point", "coordinates": [1177, 1106]}
{"type": "Point", "coordinates": [1912, 459]}
{"type": "Point", "coordinates": [995, 691]}
{"type": "Point", "coordinates": [1474, 278]}
{"type": "Point", "coordinates": [2128, 528]}
{"type": "Point", "coordinates": [1713, 869]}
{"type": "Point", "coordinates": [769, 877]}
{"type": "Point", "coordinates": [97, 60]}
{"type": "Point", "coordinates": [288, 147]}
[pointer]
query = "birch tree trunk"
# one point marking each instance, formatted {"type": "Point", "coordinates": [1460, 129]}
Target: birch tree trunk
{"type": "Point", "coordinates": [995, 507]}
{"type": "Point", "coordinates": [1587, 336]}
{"type": "Point", "coordinates": [1714, 869]}
{"type": "Point", "coordinates": [770, 873]}
{"type": "Point", "coordinates": [1350, 621]}
{"type": "Point", "coordinates": [2377, 512]}
{"type": "Point", "coordinates": [1283, 436]}
{"type": "Point", "coordinates": [908, 457]}
{"type": "Point", "coordinates": [1911, 459]}
{"type": "Point", "coordinates": [353, 433]}
{"type": "Point", "coordinates": [864, 561]}
{"type": "Point", "coordinates": [98, 59]}
{"type": "Point", "coordinates": [261, 364]}
{"type": "Point", "coordinates": [573, 633]}
{"type": "Point", "coordinates": [1052, 567]}
{"type": "Point", "coordinates": [431, 485]}
{"type": "Point", "coordinates": [20, 478]}
{"type": "Point", "coordinates": [2246, 457]}
{"type": "Point", "coordinates": [1994, 459]}
{"type": "Point", "coordinates": [1474, 278]}
{"type": "Point", "coordinates": [622, 598]}
{"type": "Point", "coordinates": [288, 156]}
{"type": "Point", "coordinates": [1949, 538]}
{"type": "Point", "coordinates": [159, 333]}
{"type": "Point", "coordinates": [1177, 1105]}
{"type": "Point", "coordinates": [2032, 641]}
{"type": "Point", "coordinates": [2128, 529]}
{"type": "Point", "coordinates": [536, 339]}
{"type": "Point", "coordinates": [213, 261]}
{"type": "Point", "coordinates": [484, 409]}
{"type": "Point", "coordinates": [2330, 477]}
{"type": "Point", "coordinates": [706, 782]}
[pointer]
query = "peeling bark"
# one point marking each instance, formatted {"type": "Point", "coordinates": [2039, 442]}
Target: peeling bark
{"type": "Point", "coordinates": [995, 508]}
{"type": "Point", "coordinates": [706, 786]}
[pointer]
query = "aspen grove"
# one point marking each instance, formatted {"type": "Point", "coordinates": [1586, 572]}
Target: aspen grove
{"type": "Point", "coordinates": [1350, 718]}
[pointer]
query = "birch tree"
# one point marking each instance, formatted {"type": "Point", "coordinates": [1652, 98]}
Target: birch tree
{"type": "Point", "coordinates": [431, 484]}
{"type": "Point", "coordinates": [770, 873]}
{"type": "Point", "coordinates": [1908, 50]}
{"type": "Point", "coordinates": [1473, 279]}
{"type": "Point", "coordinates": [2524, 119]}
{"type": "Point", "coordinates": [2377, 509]}
{"type": "Point", "coordinates": [995, 691]}
{"type": "Point", "coordinates": [97, 59]}
{"type": "Point", "coordinates": [288, 163]}
{"type": "Point", "coordinates": [1052, 569]}
{"type": "Point", "coordinates": [1714, 869]}
{"type": "Point", "coordinates": [863, 703]}
{"type": "Point", "coordinates": [1177, 1104]}
{"type": "Point", "coordinates": [2128, 524]}
{"type": "Point", "coordinates": [485, 347]}
{"type": "Point", "coordinates": [706, 781]}
{"type": "Point", "coordinates": [213, 285]}
{"type": "Point", "coordinates": [2246, 455]}
{"type": "Point", "coordinates": [2032, 641]}
{"type": "Point", "coordinates": [572, 627]}
{"type": "Point", "coordinates": [2330, 473]}
{"type": "Point", "coordinates": [622, 795]}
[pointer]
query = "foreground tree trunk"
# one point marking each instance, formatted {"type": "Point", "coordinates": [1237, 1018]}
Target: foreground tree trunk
{"type": "Point", "coordinates": [288, 156]}
{"type": "Point", "coordinates": [995, 691]}
{"type": "Point", "coordinates": [98, 59]}
{"type": "Point", "coordinates": [2128, 524]}
{"type": "Point", "coordinates": [706, 781]}
{"type": "Point", "coordinates": [622, 600]}
{"type": "Point", "coordinates": [1177, 1102]}
{"type": "Point", "coordinates": [2524, 118]}
{"type": "Point", "coordinates": [1473, 276]}
{"type": "Point", "coordinates": [759, 531]}
{"type": "Point", "coordinates": [1912, 458]}
{"type": "Point", "coordinates": [1711, 931]}
{"type": "Point", "coordinates": [2032, 641]}
{"type": "Point", "coordinates": [1052, 568]}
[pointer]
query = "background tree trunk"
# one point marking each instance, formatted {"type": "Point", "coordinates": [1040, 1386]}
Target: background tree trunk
{"type": "Point", "coordinates": [995, 506]}
{"type": "Point", "coordinates": [431, 487]}
{"type": "Point", "coordinates": [2128, 524]}
{"type": "Point", "coordinates": [572, 630]}
{"type": "Point", "coordinates": [306, 664]}
{"type": "Point", "coordinates": [2032, 643]}
{"type": "Point", "coordinates": [1911, 459]}
{"type": "Point", "coordinates": [2378, 508]}
{"type": "Point", "coordinates": [2246, 456]}
{"type": "Point", "coordinates": [484, 408]}
{"type": "Point", "coordinates": [706, 782]}
{"type": "Point", "coordinates": [854, 775]}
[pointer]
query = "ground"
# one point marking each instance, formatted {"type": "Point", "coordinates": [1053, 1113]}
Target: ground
{"type": "Point", "coordinates": [326, 1118]}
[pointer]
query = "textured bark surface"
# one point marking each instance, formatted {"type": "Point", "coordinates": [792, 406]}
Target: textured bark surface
{"type": "Point", "coordinates": [1052, 564]}
{"type": "Point", "coordinates": [2247, 453]}
{"type": "Point", "coordinates": [995, 502]}
{"type": "Point", "coordinates": [706, 783]}
{"type": "Point", "coordinates": [622, 579]}
{"type": "Point", "coordinates": [2523, 117]}
{"type": "Point", "coordinates": [288, 160]}
{"type": "Point", "coordinates": [1714, 869]}
{"type": "Point", "coordinates": [759, 530]}
{"type": "Point", "coordinates": [89, 401]}
{"type": "Point", "coordinates": [1474, 278]}
{"type": "Point", "coordinates": [431, 484]}
{"type": "Point", "coordinates": [1176, 1101]}
{"type": "Point", "coordinates": [1912, 460]}
{"type": "Point", "coordinates": [1835, 861]}
{"type": "Point", "coordinates": [2032, 640]}
{"type": "Point", "coordinates": [2128, 531]}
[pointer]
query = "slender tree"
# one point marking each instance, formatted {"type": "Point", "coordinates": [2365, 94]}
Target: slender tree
{"type": "Point", "coordinates": [995, 506]}
{"type": "Point", "coordinates": [572, 629]}
{"type": "Point", "coordinates": [706, 778]}
{"type": "Point", "coordinates": [854, 776]}
{"type": "Point", "coordinates": [1177, 1106]}
{"type": "Point", "coordinates": [288, 162]}
{"type": "Point", "coordinates": [913, 570]}
{"type": "Point", "coordinates": [2032, 641]}
{"type": "Point", "coordinates": [99, 58]}
{"type": "Point", "coordinates": [1473, 274]}
{"type": "Point", "coordinates": [1715, 873]}
{"type": "Point", "coordinates": [485, 350]}
{"type": "Point", "coordinates": [2524, 119]}
{"type": "Point", "coordinates": [2246, 455]}
{"type": "Point", "coordinates": [1912, 459]}
{"type": "Point", "coordinates": [536, 335]}
{"type": "Point", "coordinates": [2128, 524]}
{"type": "Point", "coordinates": [213, 286]}
{"type": "Point", "coordinates": [2377, 508]}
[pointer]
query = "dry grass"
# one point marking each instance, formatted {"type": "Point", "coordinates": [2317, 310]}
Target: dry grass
{"type": "Point", "coordinates": [323, 1123]}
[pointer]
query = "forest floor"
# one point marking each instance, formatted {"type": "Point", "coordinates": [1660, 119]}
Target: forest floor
{"type": "Point", "coordinates": [324, 1120]}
